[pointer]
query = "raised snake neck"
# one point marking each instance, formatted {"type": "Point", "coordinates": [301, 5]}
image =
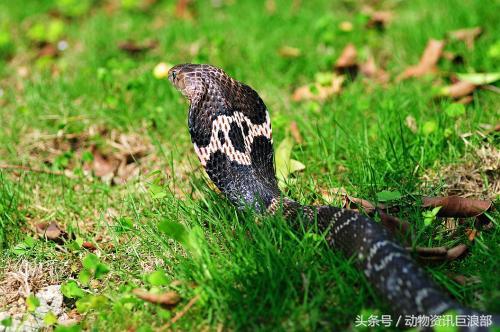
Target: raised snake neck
{"type": "Point", "coordinates": [230, 128]}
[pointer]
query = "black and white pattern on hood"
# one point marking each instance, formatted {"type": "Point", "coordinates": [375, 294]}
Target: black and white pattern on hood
{"type": "Point", "coordinates": [233, 135]}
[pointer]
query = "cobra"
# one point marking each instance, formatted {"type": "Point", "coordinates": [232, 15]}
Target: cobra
{"type": "Point", "coordinates": [230, 128]}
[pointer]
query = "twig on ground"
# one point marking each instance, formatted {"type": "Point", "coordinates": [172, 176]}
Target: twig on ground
{"type": "Point", "coordinates": [180, 313]}
{"type": "Point", "coordinates": [35, 170]}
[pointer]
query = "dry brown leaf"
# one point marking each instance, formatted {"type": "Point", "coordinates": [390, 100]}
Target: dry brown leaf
{"type": "Point", "coordinates": [134, 48]}
{"type": "Point", "coordinates": [395, 225]}
{"type": "Point", "coordinates": [459, 207]}
{"type": "Point", "coordinates": [468, 36]}
{"type": "Point", "coordinates": [379, 19]}
{"type": "Point", "coordinates": [430, 251]}
{"type": "Point", "coordinates": [471, 234]}
{"type": "Point", "coordinates": [459, 89]}
{"type": "Point", "coordinates": [459, 279]}
{"type": "Point", "coordinates": [490, 129]}
{"type": "Point", "coordinates": [182, 9]}
{"type": "Point", "coordinates": [334, 194]}
{"type": "Point", "coordinates": [49, 50]}
{"type": "Point", "coordinates": [368, 206]}
{"type": "Point", "coordinates": [168, 299]}
{"type": "Point", "coordinates": [440, 253]}
{"type": "Point", "coordinates": [89, 245]}
{"type": "Point", "coordinates": [320, 92]}
{"type": "Point", "coordinates": [478, 176]}
{"type": "Point", "coordinates": [465, 100]}
{"type": "Point", "coordinates": [451, 224]}
{"type": "Point", "coordinates": [347, 59]}
{"type": "Point", "coordinates": [453, 57]}
{"type": "Point", "coordinates": [125, 172]}
{"type": "Point", "coordinates": [456, 251]}
{"type": "Point", "coordinates": [428, 61]}
{"type": "Point", "coordinates": [51, 231]}
{"type": "Point", "coordinates": [289, 52]}
{"type": "Point", "coordinates": [270, 6]}
{"type": "Point", "coordinates": [463, 280]}
{"type": "Point", "coordinates": [370, 69]}
{"type": "Point", "coordinates": [294, 130]}
{"type": "Point", "coordinates": [103, 166]}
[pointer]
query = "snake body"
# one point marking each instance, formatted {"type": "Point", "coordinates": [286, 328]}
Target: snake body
{"type": "Point", "coordinates": [230, 128]}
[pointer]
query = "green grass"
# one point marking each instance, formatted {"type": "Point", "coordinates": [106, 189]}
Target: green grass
{"type": "Point", "coordinates": [250, 272]}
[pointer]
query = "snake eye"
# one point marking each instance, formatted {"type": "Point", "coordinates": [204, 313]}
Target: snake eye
{"type": "Point", "coordinates": [174, 75]}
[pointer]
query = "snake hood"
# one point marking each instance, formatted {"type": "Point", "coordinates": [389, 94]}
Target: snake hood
{"type": "Point", "coordinates": [231, 132]}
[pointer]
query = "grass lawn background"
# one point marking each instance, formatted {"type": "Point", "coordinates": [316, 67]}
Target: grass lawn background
{"type": "Point", "coordinates": [57, 111]}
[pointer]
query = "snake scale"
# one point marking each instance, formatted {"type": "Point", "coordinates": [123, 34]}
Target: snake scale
{"type": "Point", "coordinates": [230, 128]}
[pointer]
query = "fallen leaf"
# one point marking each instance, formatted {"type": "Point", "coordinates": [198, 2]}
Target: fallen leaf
{"type": "Point", "coordinates": [440, 253]}
{"type": "Point", "coordinates": [103, 166]}
{"type": "Point", "coordinates": [370, 70]}
{"type": "Point", "coordinates": [479, 78]}
{"type": "Point", "coordinates": [458, 89]}
{"type": "Point", "coordinates": [453, 57]}
{"type": "Point", "coordinates": [463, 280]}
{"type": "Point", "coordinates": [53, 232]}
{"type": "Point", "coordinates": [168, 299]}
{"type": "Point", "coordinates": [284, 164]}
{"type": "Point", "coordinates": [430, 251]}
{"type": "Point", "coordinates": [459, 207]}
{"type": "Point", "coordinates": [459, 279]}
{"type": "Point", "coordinates": [347, 60]}
{"type": "Point", "coordinates": [428, 61]}
{"type": "Point", "coordinates": [335, 194]}
{"type": "Point", "coordinates": [394, 225]}
{"type": "Point", "coordinates": [471, 234]}
{"type": "Point", "coordinates": [296, 166]}
{"type": "Point", "coordinates": [379, 19]}
{"type": "Point", "coordinates": [468, 36]}
{"type": "Point", "coordinates": [465, 100]}
{"type": "Point", "coordinates": [270, 6]}
{"type": "Point", "coordinates": [368, 206]}
{"type": "Point", "coordinates": [125, 172]}
{"type": "Point", "coordinates": [182, 9]}
{"type": "Point", "coordinates": [387, 195]}
{"type": "Point", "coordinates": [451, 224]}
{"type": "Point", "coordinates": [89, 245]}
{"type": "Point", "coordinates": [318, 91]}
{"type": "Point", "coordinates": [289, 52]}
{"type": "Point", "coordinates": [49, 50]}
{"type": "Point", "coordinates": [456, 251]}
{"type": "Point", "coordinates": [294, 130]}
{"type": "Point", "coordinates": [134, 48]}
{"type": "Point", "coordinates": [50, 231]}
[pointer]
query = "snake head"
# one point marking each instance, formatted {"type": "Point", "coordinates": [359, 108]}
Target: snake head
{"type": "Point", "coordinates": [195, 80]}
{"type": "Point", "coordinates": [191, 79]}
{"type": "Point", "coordinates": [187, 79]}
